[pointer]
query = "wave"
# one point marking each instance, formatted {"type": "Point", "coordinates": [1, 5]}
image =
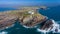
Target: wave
{"type": "Point", "coordinates": [3, 32]}
{"type": "Point", "coordinates": [55, 29]}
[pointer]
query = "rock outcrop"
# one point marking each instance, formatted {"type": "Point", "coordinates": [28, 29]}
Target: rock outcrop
{"type": "Point", "coordinates": [28, 17]}
{"type": "Point", "coordinates": [47, 25]}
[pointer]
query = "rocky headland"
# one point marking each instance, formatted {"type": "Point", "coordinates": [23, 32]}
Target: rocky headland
{"type": "Point", "coordinates": [27, 16]}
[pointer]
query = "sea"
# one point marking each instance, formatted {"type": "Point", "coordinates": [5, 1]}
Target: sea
{"type": "Point", "coordinates": [50, 12]}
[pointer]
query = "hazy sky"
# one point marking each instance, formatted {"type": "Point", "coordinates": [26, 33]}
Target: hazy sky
{"type": "Point", "coordinates": [8, 3]}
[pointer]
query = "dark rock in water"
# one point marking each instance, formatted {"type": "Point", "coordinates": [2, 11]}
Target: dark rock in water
{"type": "Point", "coordinates": [56, 30]}
{"type": "Point", "coordinates": [48, 25]}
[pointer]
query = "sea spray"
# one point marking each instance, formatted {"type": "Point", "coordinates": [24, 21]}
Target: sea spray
{"type": "Point", "coordinates": [3, 32]}
{"type": "Point", "coordinates": [55, 28]}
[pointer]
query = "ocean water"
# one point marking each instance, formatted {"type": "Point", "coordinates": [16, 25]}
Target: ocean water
{"type": "Point", "coordinates": [52, 13]}
{"type": "Point", "coordinates": [2, 9]}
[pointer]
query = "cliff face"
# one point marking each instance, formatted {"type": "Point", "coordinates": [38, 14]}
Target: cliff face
{"type": "Point", "coordinates": [32, 19]}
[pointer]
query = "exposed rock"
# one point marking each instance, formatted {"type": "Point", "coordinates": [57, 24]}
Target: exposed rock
{"type": "Point", "coordinates": [6, 21]}
{"type": "Point", "coordinates": [28, 16]}
{"type": "Point", "coordinates": [48, 25]}
{"type": "Point", "coordinates": [31, 20]}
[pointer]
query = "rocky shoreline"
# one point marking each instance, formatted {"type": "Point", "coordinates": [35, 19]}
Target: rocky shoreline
{"type": "Point", "coordinates": [28, 17]}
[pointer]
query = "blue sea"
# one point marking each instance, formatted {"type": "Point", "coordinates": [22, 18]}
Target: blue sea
{"type": "Point", "coordinates": [52, 13]}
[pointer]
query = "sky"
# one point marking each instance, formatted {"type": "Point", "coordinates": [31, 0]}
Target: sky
{"type": "Point", "coordinates": [14, 3]}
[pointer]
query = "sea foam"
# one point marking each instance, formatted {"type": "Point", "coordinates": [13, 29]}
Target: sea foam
{"type": "Point", "coordinates": [55, 26]}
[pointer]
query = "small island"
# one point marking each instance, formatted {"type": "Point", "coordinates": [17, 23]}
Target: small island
{"type": "Point", "coordinates": [27, 16]}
